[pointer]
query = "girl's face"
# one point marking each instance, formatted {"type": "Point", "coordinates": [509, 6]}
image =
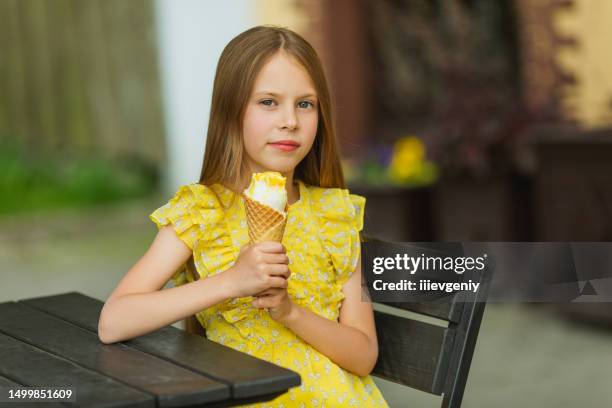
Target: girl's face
{"type": "Point", "coordinates": [281, 117]}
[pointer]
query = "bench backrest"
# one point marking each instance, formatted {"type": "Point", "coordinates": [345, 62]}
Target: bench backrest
{"type": "Point", "coordinates": [434, 358]}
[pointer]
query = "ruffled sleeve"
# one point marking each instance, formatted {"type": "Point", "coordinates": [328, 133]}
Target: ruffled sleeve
{"type": "Point", "coordinates": [182, 213]}
{"type": "Point", "coordinates": [194, 213]}
{"type": "Point", "coordinates": [340, 217]}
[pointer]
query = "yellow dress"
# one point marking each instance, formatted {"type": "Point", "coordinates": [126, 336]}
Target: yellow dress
{"type": "Point", "coordinates": [322, 242]}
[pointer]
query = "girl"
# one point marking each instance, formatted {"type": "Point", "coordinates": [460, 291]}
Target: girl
{"type": "Point", "coordinates": [296, 304]}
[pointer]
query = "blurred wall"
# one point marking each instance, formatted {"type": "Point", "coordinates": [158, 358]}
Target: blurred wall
{"type": "Point", "coordinates": [589, 100]}
{"type": "Point", "coordinates": [191, 36]}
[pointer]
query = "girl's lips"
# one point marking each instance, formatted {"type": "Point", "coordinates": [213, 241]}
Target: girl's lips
{"type": "Point", "coordinates": [285, 145]}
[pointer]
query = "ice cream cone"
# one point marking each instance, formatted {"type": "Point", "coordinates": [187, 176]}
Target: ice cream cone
{"type": "Point", "coordinates": [265, 223]}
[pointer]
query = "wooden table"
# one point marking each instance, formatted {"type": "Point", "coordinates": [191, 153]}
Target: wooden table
{"type": "Point", "coordinates": [53, 340]}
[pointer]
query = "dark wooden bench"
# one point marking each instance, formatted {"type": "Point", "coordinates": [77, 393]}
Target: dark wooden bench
{"type": "Point", "coordinates": [434, 358]}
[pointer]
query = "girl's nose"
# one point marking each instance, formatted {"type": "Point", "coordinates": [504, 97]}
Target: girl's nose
{"type": "Point", "coordinates": [289, 119]}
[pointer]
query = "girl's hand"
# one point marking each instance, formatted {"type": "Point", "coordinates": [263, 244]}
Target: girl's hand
{"type": "Point", "coordinates": [277, 302]}
{"type": "Point", "coordinates": [259, 267]}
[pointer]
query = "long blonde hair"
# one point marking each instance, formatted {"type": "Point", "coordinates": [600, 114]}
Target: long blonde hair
{"type": "Point", "coordinates": [239, 64]}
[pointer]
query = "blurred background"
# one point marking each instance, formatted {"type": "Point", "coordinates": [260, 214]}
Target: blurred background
{"type": "Point", "coordinates": [459, 120]}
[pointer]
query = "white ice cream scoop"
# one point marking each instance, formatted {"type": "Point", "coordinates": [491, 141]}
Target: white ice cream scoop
{"type": "Point", "coordinates": [268, 188]}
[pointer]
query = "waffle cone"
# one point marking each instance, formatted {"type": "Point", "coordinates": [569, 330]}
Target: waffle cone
{"type": "Point", "coordinates": [265, 223]}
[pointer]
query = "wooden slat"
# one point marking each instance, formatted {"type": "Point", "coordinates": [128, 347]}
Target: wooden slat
{"type": "Point", "coordinates": [444, 309]}
{"type": "Point", "coordinates": [463, 342]}
{"type": "Point", "coordinates": [247, 375]}
{"type": "Point", "coordinates": [439, 305]}
{"type": "Point", "coordinates": [410, 352]}
{"type": "Point", "coordinates": [172, 385]}
{"type": "Point", "coordinates": [450, 308]}
{"type": "Point", "coordinates": [81, 310]}
{"type": "Point", "coordinates": [6, 383]}
{"type": "Point", "coordinates": [32, 366]}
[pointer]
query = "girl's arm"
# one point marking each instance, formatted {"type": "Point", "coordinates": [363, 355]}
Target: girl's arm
{"type": "Point", "coordinates": [351, 343]}
{"type": "Point", "coordinates": [137, 306]}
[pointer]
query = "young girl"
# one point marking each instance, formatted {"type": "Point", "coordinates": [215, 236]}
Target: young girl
{"type": "Point", "coordinates": [296, 304]}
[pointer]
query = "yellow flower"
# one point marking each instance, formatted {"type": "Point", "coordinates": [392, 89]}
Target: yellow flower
{"type": "Point", "coordinates": [407, 160]}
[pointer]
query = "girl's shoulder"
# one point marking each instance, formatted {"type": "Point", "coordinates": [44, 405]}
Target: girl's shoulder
{"type": "Point", "coordinates": [200, 196]}
{"type": "Point", "coordinates": [192, 208]}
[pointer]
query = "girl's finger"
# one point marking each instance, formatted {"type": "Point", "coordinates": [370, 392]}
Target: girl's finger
{"type": "Point", "coordinates": [270, 292]}
{"type": "Point", "coordinates": [278, 270]}
{"type": "Point", "coordinates": [271, 247]}
{"type": "Point", "coordinates": [263, 293]}
{"type": "Point", "coordinates": [275, 258]}
{"type": "Point", "coordinates": [260, 302]}
{"type": "Point", "coordinates": [278, 282]}
{"type": "Point", "coordinates": [267, 301]}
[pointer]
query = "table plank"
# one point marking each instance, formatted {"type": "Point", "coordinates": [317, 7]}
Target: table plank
{"type": "Point", "coordinates": [248, 376]}
{"type": "Point", "coordinates": [8, 383]}
{"type": "Point", "coordinates": [32, 366]}
{"type": "Point", "coordinates": [172, 385]}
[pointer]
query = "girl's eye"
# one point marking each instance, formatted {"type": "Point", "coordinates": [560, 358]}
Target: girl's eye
{"type": "Point", "coordinates": [265, 102]}
{"type": "Point", "coordinates": [309, 104]}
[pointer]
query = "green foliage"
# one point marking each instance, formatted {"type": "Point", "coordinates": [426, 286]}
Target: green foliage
{"type": "Point", "coordinates": [32, 181]}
